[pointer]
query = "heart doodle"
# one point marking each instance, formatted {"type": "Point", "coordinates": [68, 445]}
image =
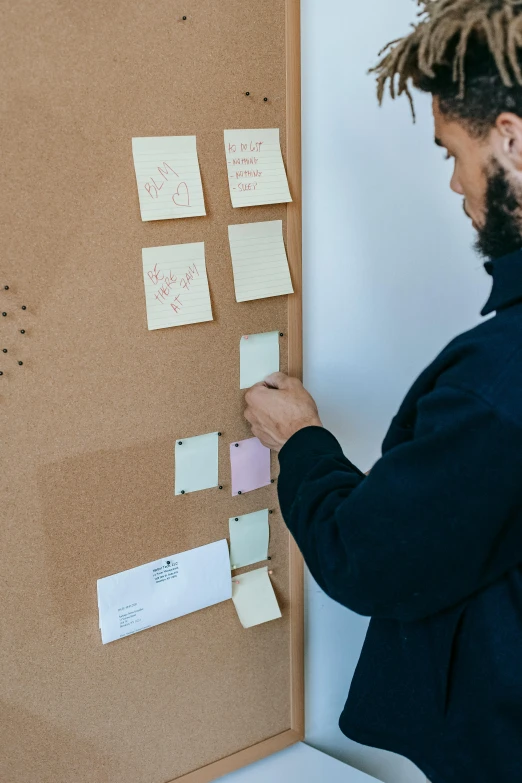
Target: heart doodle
{"type": "Point", "coordinates": [181, 196]}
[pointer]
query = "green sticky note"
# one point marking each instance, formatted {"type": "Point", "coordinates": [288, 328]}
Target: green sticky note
{"type": "Point", "coordinates": [249, 536]}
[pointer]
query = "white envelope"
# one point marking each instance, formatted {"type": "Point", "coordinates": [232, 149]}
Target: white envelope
{"type": "Point", "coordinates": [163, 590]}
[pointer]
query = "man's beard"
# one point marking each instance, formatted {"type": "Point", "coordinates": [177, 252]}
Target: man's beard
{"type": "Point", "coordinates": [502, 230]}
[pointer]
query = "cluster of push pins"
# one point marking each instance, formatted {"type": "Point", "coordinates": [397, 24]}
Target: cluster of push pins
{"type": "Point", "coordinates": [247, 93]}
{"type": "Point", "coordinates": [22, 331]}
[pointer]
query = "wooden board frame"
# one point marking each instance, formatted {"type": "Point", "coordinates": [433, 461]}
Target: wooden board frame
{"type": "Point", "coordinates": [295, 368]}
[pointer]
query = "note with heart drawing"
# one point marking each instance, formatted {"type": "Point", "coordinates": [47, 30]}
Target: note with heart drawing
{"type": "Point", "coordinates": [168, 177]}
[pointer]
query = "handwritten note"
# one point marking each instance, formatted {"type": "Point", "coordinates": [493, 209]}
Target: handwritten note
{"type": "Point", "coordinates": [163, 590]}
{"type": "Point", "coordinates": [250, 465]}
{"type": "Point", "coordinates": [168, 177]}
{"type": "Point", "coordinates": [196, 463]}
{"type": "Point", "coordinates": [254, 598]}
{"type": "Point", "coordinates": [249, 536]}
{"type": "Point", "coordinates": [176, 285]}
{"type": "Point", "coordinates": [258, 357]}
{"type": "Point", "coordinates": [259, 260]}
{"type": "Point", "coordinates": [256, 172]}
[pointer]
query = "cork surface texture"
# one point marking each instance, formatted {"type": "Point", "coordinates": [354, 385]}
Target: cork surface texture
{"type": "Point", "coordinates": [90, 418]}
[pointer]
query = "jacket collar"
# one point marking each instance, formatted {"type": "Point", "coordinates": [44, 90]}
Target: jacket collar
{"type": "Point", "coordinates": [507, 281]}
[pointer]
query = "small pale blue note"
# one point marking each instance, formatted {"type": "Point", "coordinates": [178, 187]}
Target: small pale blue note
{"type": "Point", "coordinates": [196, 463]}
{"type": "Point", "coordinates": [248, 538]}
{"type": "Point", "coordinates": [258, 357]}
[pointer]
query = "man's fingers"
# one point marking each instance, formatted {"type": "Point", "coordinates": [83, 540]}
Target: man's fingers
{"type": "Point", "coordinates": [249, 416]}
{"type": "Point", "coordinates": [251, 394]}
{"type": "Point", "coordinates": [277, 380]}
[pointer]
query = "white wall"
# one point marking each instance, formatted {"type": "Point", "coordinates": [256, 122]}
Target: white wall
{"type": "Point", "coordinates": [389, 278]}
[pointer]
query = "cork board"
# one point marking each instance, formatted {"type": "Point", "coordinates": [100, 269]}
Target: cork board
{"type": "Point", "coordinates": [90, 417]}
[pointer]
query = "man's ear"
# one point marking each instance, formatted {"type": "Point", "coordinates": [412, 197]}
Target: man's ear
{"type": "Point", "coordinates": [509, 139]}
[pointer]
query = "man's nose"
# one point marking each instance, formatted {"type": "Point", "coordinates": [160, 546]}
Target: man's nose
{"type": "Point", "coordinates": [455, 185]}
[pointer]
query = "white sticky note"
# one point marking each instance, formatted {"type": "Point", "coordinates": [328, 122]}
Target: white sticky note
{"type": "Point", "coordinates": [176, 285]}
{"type": "Point", "coordinates": [249, 536]}
{"type": "Point", "coordinates": [196, 463]}
{"type": "Point", "coordinates": [259, 260]}
{"type": "Point", "coordinates": [163, 590]}
{"type": "Point", "coordinates": [254, 598]}
{"type": "Point", "coordinates": [258, 357]}
{"type": "Point", "coordinates": [256, 172]}
{"type": "Point", "coordinates": [168, 177]}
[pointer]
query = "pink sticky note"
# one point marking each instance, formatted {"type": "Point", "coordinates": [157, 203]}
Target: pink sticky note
{"type": "Point", "coordinates": [250, 464]}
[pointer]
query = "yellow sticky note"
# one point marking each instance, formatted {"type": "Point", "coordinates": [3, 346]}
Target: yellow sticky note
{"type": "Point", "coordinates": [259, 260]}
{"type": "Point", "coordinates": [256, 172]}
{"type": "Point", "coordinates": [249, 536]}
{"type": "Point", "coordinates": [254, 598]}
{"type": "Point", "coordinates": [168, 177]}
{"type": "Point", "coordinates": [176, 285]}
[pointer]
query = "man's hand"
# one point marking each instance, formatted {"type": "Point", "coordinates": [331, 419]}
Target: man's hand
{"type": "Point", "coordinates": [277, 408]}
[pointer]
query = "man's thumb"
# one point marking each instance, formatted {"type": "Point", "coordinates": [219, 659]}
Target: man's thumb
{"type": "Point", "coordinates": [278, 380]}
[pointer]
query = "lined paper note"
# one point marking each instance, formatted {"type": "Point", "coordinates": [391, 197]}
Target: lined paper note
{"type": "Point", "coordinates": [196, 463]}
{"type": "Point", "coordinates": [249, 535]}
{"type": "Point", "coordinates": [176, 285]}
{"type": "Point", "coordinates": [259, 260]}
{"type": "Point", "coordinates": [258, 357]}
{"type": "Point", "coordinates": [254, 598]}
{"type": "Point", "coordinates": [250, 465]}
{"type": "Point", "coordinates": [256, 172]}
{"type": "Point", "coordinates": [168, 177]}
{"type": "Point", "coordinates": [163, 590]}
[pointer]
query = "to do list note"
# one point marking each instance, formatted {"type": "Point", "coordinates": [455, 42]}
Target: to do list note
{"type": "Point", "coordinates": [256, 172]}
{"type": "Point", "coordinates": [176, 285]}
{"type": "Point", "coordinates": [168, 177]}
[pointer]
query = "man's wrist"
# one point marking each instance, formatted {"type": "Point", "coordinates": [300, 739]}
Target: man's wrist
{"type": "Point", "coordinates": [301, 425]}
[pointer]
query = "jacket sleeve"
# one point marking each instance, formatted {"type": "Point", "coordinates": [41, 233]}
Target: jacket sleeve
{"type": "Point", "coordinates": [437, 519]}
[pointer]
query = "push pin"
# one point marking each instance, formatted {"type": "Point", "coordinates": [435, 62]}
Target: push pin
{"type": "Point", "coordinates": [220, 486]}
{"type": "Point", "coordinates": [247, 93]}
{"type": "Point", "coordinates": [236, 581]}
{"type": "Point", "coordinates": [268, 558]}
{"type": "Point", "coordinates": [4, 314]}
{"type": "Point", "coordinates": [180, 442]}
{"type": "Point", "coordinates": [265, 99]}
{"type": "Point", "coordinates": [22, 331]}
{"type": "Point", "coordinates": [20, 363]}
{"type": "Point", "coordinates": [6, 288]}
{"type": "Point", "coordinates": [272, 481]}
{"type": "Point", "coordinates": [184, 18]}
{"type": "Point", "coordinates": [24, 307]}
{"type": "Point", "coordinates": [239, 492]}
{"type": "Point", "coordinates": [236, 445]}
{"type": "Point", "coordinates": [1, 373]}
{"type": "Point", "coordinates": [4, 350]}
{"type": "Point", "coordinates": [270, 512]}
{"type": "Point", "coordinates": [281, 334]}
{"type": "Point", "coordinates": [182, 492]}
{"type": "Point", "coordinates": [237, 519]}
{"type": "Point", "coordinates": [245, 337]}
{"type": "Point", "coordinates": [270, 572]}
{"type": "Point", "coordinates": [219, 434]}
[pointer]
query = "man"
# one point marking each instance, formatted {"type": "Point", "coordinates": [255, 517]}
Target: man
{"type": "Point", "coordinates": [429, 544]}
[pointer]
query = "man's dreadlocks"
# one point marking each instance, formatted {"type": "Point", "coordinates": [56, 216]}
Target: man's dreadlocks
{"type": "Point", "coordinates": [465, 52]}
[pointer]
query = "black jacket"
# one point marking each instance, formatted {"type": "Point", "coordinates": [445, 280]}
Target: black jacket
{"type": "Point", "coordinates": [430, 545]}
